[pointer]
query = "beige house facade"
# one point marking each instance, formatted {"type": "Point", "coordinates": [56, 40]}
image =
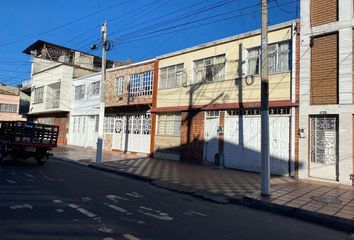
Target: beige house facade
{"type": "Point", "coordinates": [207, 106]}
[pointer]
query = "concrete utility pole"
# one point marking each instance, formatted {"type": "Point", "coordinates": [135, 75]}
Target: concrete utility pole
{"type": "Point", "coordinates": [265, 161]}
{"type": "Point", "coordinates": [102, 95]}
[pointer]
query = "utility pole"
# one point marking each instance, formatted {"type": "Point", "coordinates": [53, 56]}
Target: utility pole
{"type": "Point", "coordinates": [102, 95]}
{"type": "Point", "coordinates": [265, 161]}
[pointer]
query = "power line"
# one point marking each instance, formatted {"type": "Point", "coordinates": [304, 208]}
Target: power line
{"type": "Point", "coordinates": [63, 25]}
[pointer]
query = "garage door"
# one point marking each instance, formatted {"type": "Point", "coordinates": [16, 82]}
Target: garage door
{"type": "Point", "coordinates": [132, 133]}
{"type": "Point", "coordinates": [242, 140]}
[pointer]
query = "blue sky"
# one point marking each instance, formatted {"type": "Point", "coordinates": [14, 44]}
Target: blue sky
{"type": "Point", "coordinates": [140, 29]}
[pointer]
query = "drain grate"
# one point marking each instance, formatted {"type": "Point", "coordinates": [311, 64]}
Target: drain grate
{"type": "Point", "coordinates": [326, 199]}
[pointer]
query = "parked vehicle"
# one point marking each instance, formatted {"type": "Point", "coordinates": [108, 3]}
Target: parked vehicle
{"type": "Point", "coordinates": [22, 140]}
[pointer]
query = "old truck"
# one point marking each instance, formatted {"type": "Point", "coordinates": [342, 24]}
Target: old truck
{"type": "Point", "coordinates": [24, 140]}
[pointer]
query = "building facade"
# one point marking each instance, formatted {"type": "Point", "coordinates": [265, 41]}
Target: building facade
{"type": "Point", "coordinates": [10, 104]}
{"type": "Point", "coordinates": [128, 103]}
{"type": "Point", "coordinates": [85, 100]}
{"type": "Point", "coordinates": [207, 105]}
{"type": "Point", "coordinates": [53, 70]}
{"type": "Point", "coordinates": [326, 90]}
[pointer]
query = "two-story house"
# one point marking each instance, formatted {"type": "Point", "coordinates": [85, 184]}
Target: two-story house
{"type": "Point", "coordinates": [208, 102]}
{"type": "Point", "coordinates": [128, 103]}
{"type": "Point", "coordinates": [326, 90]}
{"type": "Point", "coordinates": [53, 69]}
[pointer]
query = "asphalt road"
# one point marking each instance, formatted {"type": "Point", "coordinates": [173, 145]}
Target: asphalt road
{"type": "Point", "coordinates": [66, 201]}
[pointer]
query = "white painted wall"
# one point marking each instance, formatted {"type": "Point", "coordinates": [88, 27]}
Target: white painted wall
{"type": "Point", "coordinates": [85, 107]}
{"type": "Point", "coordinates": [60, 73]}
{"type": "Point", "coordinates": [345, 108]}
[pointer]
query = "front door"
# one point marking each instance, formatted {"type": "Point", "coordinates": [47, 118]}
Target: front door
{"type": "Point", "coordinates": [211, 145]}
{"type": "Point", "coordinates": [117, 133]}
{"type": "Point", "coordinates": [324, 147]}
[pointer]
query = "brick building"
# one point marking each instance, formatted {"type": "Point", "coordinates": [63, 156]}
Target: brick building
{"type": "Point", "coordinates": [326, 90]}
{"type": "Point", "coordinates": [208, 102]}
{"type": "Point", "coordinates": [128, 102]}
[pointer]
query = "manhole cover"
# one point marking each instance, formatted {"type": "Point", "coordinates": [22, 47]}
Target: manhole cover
{"type": "Point", "coordinates": [326, 199]}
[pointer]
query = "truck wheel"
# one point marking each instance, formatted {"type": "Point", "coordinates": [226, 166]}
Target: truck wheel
{"type": "Point", "coordinates": [41, 162]}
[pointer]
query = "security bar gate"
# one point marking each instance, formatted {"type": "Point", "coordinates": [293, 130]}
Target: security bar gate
{"type": "Point", "coordinates": [324, 147]}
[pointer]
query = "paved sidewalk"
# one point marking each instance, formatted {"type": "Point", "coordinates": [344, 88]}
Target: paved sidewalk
{"type": "Point", "coordinates": [330, 200]}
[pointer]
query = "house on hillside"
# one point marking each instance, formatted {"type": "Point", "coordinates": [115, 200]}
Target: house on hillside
{"type": "Point", "coordinates": [207, 104]}
{"type": "Point", "coordinates": [53, 69]}
{"type": "Point", "coordinates": [326, 90]}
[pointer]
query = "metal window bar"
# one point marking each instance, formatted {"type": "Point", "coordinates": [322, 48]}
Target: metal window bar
{"type": "Point", "coordinates": [141, 84]}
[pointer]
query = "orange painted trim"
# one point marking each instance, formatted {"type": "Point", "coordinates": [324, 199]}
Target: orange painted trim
{"type": "Point", "coordinates": [224, 106]}
{"type": "Point", "coordinates": [154, 104]}
{"type": "Point", "coordinates": [353, 151]}
{"type": "Point", "coordinates": [116, 150]}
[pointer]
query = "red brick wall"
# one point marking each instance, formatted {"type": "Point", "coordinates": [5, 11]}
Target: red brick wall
{"type": "Point", "coordinates": [192, 136]}
{"type": "Point", "coordinates": [324, 70]}
{"type": "Point", "coordinates": [323, 12]}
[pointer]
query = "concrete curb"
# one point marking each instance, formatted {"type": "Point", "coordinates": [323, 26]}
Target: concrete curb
{"type": "Point", "coordinates": [327, 220]}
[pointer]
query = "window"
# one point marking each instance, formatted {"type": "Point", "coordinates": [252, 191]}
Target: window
{"type": "Point", "coordinates": [11, 108]}
{"type": "Point", "coordinates": [95, 88]}
{"type": "Point", "coordinates": [209, 69]}
{"type": "Point", "coordinates": [141, 84]}
{"type": "Point", "coordinates": [171, 77]}
{"type": "Point", "coordinates": [120, 85]}
{"type": "Point", "coordinates": [38, 95]}
{"type": "Point", "coordinates": [79, 92]}
{"type": "Point", "coordinates": [169, 124]}
{"type": "Point", "coordinates": [108, 124]}
{"type": "Point", "coordinates": [53, 95]}
{"type": "Point", "coordinates": [278, 58]}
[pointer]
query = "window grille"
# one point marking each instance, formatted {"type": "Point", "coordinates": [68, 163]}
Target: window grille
{"type": "Point", "coordinates": [141, 84]}
{"type": "Point", "coordinates": [11, 108]}
{"type": "Point", "coordinates": [278, 58]}
{"type": "Point", "coordinates": [172, 76]}
{"type": "Point", "coordinates": [212, 113]}
{"type": "Point", "coordinates": [53, 95]}
{"type": "Point", "coordinates": [79, 92]}
{"type": "Point", "coordinates": [169, 124]}
{"type": "Point", "coordinates": [232, 112]}
{"type": "Point", "coordinates": [95, 88]}
{"type": "Point", "coordinates": [209, 69]}
{"type": "Point", "coordinates": [38, 95]}
{"type": "Point", "coordinates": [109, 124]}
{"type": "Point", "coordinates": [120, 85]}
{"type": "Point", "coordinates": [146, 124]}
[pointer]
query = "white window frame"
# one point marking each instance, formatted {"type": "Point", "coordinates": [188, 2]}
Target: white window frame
{"type": "Point", "coordinates": [120, 85]}
{"type": "Point", "coordinates": [276, 53]}
{"type": "Point", "coordinates": [79, 92]}
{"type": "Point", "coordinates": [9, 108]}
{"type": "Point", "coordinates": [140, 84]}
{"type": "Point", "coordinates": [53, 95]}
{"type": "Point", "coordinates": [95, 88]}
{"type": "Point", "coordinates": [201, 72]}
{"type": "Point", "coordinates": [38, 94]}
{"type": "Point", "coordinates": [173, 76]}
{"type": "Point", "coordinates": [175, 119]}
